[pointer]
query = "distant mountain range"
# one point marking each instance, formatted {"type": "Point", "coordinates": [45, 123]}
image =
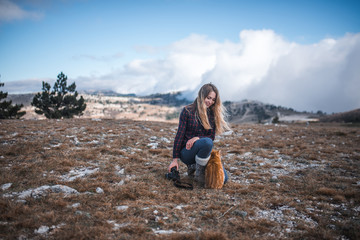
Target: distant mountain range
{"type": "Point", "coordinates": [246, 111]}
{"type": "Point", "coordinates": [256, 111]}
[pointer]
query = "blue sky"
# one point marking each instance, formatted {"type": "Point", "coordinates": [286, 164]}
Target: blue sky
{"type": "Point", "coordinates": [300, 54]}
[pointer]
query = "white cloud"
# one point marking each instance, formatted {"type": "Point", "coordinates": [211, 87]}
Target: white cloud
{"type": "Point", "coordinates": [180, 70]}
{"type": "Point", "coordinates": [260, 66]}
{"type": "Point", "coordinates": [323, 76]}
{"type": "Point", "coordinates": [241, 65]}
{"type": "Point", "coordinates": [10, 11]}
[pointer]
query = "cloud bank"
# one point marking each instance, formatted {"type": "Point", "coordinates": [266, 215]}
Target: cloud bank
{"type": "Point", "coordinates": [261, 66]}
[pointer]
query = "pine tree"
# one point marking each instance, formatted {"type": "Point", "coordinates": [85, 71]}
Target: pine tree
{"type": "Point", "coordinates": [7, 110]}
{"type": "Point", "coordinates": [61, 102]}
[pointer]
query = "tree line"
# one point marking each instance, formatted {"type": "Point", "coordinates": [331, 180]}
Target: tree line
{"type": "Point", "coordinates": [62, 101]}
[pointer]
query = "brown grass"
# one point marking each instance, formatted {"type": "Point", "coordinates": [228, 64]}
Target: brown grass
{"type": "Point", "coordinates": [286, 181]}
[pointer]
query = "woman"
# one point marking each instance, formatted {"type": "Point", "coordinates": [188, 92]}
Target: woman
{"type": "Point", "coordinates": [198, 124]}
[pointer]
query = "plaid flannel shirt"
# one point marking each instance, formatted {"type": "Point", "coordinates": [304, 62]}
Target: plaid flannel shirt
{"type": "Point", "coordinates": [189, 127]}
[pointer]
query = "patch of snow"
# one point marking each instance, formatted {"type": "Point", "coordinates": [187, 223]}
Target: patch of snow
{"type": "Point", "coordinates": [44, 190]}
{"type": "Point", "coordinates": [180, 207]}
{"type": "Point", "coordinates": [117, 226]}
{"type": "Point", "coordinates": [42, 230]}
{"type": "Point", "coordinates": [75, 205]}
{"type": "Point", "coordinates": [163, 231]}
{"type": "Point", "coordinates": [153, 145]}
{"type": "Point", "coordinates": [6, 186]}
{"type": "Point", "coordinates": [164, 139]}
{"type": "Point", "coordinates": [152, 138]}
{"type": "Point", "coordinates": [76, 141]}
{"type": "Point", "coordinates": [357, 209]}
{"type": "Point", "coordinates": [247, 154]}
{"type": "Point", "coordinates": [284, 214]}
{"type": "Point", "coordinates": [46, 229]}
{"type": "Point", "coordinates": [122, 208]}
{"type": "Point", "coordinates": [228, 133]}
{"type": "Point", "coordinates": [56, 145]}
{"type": "Point", "coordinates": [78, 173]}
{"type": "Point", "coordinates": [119, 171]}
{"type": "Point", "coordinates": [283, 165]}
{"type": "Point", "coordinates": [122, 182]}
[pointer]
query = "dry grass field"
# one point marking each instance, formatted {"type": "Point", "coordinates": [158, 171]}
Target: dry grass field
{"type": "Point", "coordinates": [104, 179]}
{"type": "Point", "coordinates": [111, 107]}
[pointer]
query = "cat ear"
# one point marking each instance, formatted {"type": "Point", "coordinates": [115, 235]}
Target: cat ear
{"type": "Point", "coordinates": [219, 151]}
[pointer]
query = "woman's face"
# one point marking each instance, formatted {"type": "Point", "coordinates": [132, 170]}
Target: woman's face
{"type": "Point", "coordinates": [210, 99]}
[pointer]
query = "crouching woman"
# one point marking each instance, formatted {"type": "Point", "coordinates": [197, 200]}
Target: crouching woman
{"type": "Point", "coordinates": [198, 124]}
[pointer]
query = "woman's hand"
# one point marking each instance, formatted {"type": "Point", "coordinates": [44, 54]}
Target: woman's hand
{"type": "Point", "coordinates": [191, 142]}
{"type": "Point", "coordinates": [174, 163]}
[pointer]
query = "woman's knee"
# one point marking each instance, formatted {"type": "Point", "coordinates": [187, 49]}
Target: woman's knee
{"type": "Point", "coordinates": [205, 146]}
{"type": "Point", "coordinates": [207, 143]}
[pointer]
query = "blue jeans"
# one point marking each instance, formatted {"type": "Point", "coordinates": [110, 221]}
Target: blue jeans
{"type": "Point", "coordinates": [201, 148]}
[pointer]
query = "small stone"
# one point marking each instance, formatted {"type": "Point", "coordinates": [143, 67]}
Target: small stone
{"type": "Point", "coordinates": [274, 179]}
{"type": "Point", "coordinates": [99, 190]}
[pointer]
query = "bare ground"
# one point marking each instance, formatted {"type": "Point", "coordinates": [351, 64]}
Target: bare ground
{"type": "Point", "coordinates": [104, 179]}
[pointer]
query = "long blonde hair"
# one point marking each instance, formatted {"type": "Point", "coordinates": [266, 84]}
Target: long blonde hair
{"type": "Point", "coordinates": [217, 108]}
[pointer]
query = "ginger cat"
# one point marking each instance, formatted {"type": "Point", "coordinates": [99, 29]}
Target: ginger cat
{"type": "Point", "coordinates": [214, 173]}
